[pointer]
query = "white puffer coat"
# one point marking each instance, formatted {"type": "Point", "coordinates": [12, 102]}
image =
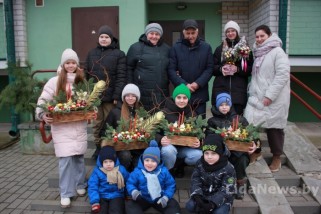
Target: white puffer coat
{"type": "Point", "coordinates": [69, 138]}
{"type": "Point", "coordinates": [271, 80]}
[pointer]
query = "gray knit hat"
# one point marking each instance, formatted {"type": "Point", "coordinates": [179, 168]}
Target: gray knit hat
{"type": "Point", "coordinates": [234, 25]}
{"type": "Point", "coordinates": [154, 27]}
{"type": "Point", "coordinates": [130, 89]}
{"type": "Point", "coordinates": [67, 55]}
{"type": "Point", "coordinates": [105, 29]}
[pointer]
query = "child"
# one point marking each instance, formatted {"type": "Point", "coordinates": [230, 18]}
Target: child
{"type": "Point", "coordinates": [174, 109]}
{"type": "Point", "coordinates": [151, 185]}
{"type": "Point", "coordinates": [125, 110]}
{"type": "Point", "coordinates": [213, 179]}
{"type": "Point", "coordinates": [106, 185]}
{"type": "Point", "coordinates": [70, 139]}
{"type": "Point", "coordinates": [223, 116]}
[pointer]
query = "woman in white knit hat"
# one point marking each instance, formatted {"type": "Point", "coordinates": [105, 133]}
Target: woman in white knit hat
{"type": "Point", "coordinates": [70, 139]}
{"type": "Point", "coordinates": [147, 62]}
{"type": "Point", "coordinates": [231, 77]}
{"type": "Point", "coordinates": [125, 110]}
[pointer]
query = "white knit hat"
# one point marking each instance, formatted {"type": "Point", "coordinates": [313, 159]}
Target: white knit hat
{"type": "Point", "coordinates": [131, 89]}
{"type": "Point", "coordinates": [154, 27]}
{"type": "Point", "coordinates": [234, 25]}
{"type": "Point", "coordinates": [67, 55]}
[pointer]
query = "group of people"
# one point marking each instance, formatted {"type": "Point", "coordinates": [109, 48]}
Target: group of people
{"type": "Point", "coordinates": [132, 181]}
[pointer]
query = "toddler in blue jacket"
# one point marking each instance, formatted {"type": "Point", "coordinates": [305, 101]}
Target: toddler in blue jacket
{"type": "Point", "coordinates": [106, 185]}
{"type": "Point", "coordinates": [151, 185]}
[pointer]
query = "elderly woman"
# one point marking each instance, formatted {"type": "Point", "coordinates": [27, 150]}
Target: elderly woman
{"type": "Point", "coordinates": [269, 91]}
{"type": "Point", "coordinates": [147, 62]}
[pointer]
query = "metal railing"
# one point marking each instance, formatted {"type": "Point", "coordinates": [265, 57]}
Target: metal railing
{"type": "Point", "coordinates": [309, 90]}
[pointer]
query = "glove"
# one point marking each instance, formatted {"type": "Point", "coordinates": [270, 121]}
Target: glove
{"type": "Point", "coordinates": [135, 194]}
{"type": "Point", "coordinates": [198, 200]}
{"type": "Point", "coordinates": [95, 208]}
{"type": "Point", "coordinates": [209, 207]}
{"type": "Point", "coordinates": [163, 201]}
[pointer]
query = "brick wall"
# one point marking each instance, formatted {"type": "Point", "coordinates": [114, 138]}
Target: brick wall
{"type": "Point", "coordinates": [20, 28]}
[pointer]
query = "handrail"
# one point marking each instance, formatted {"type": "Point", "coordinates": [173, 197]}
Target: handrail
{"type": "Point", "coordinates": [309, 107]}
{"type": "Point", "coordinates": [42, 71]}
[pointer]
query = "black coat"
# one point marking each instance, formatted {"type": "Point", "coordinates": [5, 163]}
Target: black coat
{"type": "Point", "coordinates": [147, 68]}
{"type": "Point", "coordinates": [192, 64]}
{"type": "Point", "coordinates": [111, 60]}
{"type": "Point", "coordinates": [235, 85]}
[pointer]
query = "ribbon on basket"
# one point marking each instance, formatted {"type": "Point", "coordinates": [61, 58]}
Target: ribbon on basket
{"type": "Point", "coordinates": [45, 139]}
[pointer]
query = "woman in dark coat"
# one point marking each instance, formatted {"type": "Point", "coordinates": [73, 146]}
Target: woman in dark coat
{"type": "Point", "coordinates": [147, 62]}
{"type": "Point", "coordinates": [235, 80]}
{"type": "Point", "coordinates": [104, 62]}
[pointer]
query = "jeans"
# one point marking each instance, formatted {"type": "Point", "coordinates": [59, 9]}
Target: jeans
{"type": "Point", "coordinates": [168, 155]}
{"type": "Point", "coordinates": [223, 209]}
{"type": "Point", "coordinates": [190, 155]}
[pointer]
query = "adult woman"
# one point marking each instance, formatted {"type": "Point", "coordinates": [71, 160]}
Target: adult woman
{"type": "Point", "coordinates": [231, 78]}
{"type": "Point", "coordinates": [269, 91]}
{"type": "Point", "coordinates": [106, 61]}
{"type": "Point", "coordinates": [147, 62]}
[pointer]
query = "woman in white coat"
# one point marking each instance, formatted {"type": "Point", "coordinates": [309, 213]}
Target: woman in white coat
{"type": "Point", "coordinates": [269, 90]}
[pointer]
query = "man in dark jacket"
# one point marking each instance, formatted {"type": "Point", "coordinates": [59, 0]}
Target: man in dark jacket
{"type": "Point", "coordinates": [106, 62]}
{"type": "Point", "coordinates": [191, 63]}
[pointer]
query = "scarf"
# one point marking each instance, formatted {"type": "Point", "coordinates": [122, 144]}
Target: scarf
{"type": "Point", "coordinates": [114, 176]}
{"type": "Point", "coordinates": [261, 50]}
{"type": "Point", "coordinates": [222, 162]}
{"type": "Point", "coordinates": [153, 185]}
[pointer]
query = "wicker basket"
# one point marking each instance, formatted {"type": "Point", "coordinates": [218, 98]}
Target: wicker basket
{"type": "Point", "coordinates": [72, 116]}
{"type": "Point", "coordinates": [120, 146]}
{"type": "Point", "coordinates": [238, 145]}
{"type": "Point", "coordinates": [181, 140]}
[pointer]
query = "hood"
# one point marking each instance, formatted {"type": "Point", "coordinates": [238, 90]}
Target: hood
{"type": "Point", "coordinates": [113, 45]}
{"type": "Point", "coordinates": [140, 165]}
{"type": "Point", "coordinates": [99, 164]}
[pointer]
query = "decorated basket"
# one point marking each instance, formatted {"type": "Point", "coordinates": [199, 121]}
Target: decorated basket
{"type": "Point", "coordinates": [234, 145]}
{"type": "Point", "coordinates": [120, 146]}
{"type": "Point", "coordinates": [72, 116]}
{"type": "Point", "coordinates": [180, 140]}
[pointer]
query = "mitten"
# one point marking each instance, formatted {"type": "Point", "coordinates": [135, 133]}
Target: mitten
{"type": "Point", "coordinates": [163, 201]}
{"type": "Point", "coordinates": [208, 207]}
{"type": "Point", "coordinates": [135, 194]}
{"type": "Point", "coordinates": [95, 208]}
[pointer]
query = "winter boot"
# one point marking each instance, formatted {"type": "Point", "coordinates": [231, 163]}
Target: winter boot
{"type": "Point", "coordinates": [240, 189]}
{"type": "Point", "coordinates": [255, 156]}
{"type": "Point", "coordinates": [276, 163]}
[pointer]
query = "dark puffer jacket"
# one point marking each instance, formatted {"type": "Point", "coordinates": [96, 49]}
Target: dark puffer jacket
{"type": "Point", "coordinates": [236, 85]}
{"type": "Point", "coordinates": [188, 64]}
{"type": "Point", "coordinates": [147, 68]}
{"type": "Point", "coordinates": [111, 60]}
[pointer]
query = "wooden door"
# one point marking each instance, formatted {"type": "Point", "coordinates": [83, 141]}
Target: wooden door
{"type": "Point", "coordinates": [85, 25]}
{"type": "Point", "coordinates": [172, 30]}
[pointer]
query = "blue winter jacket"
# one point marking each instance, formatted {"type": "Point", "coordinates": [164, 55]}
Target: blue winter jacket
{"type": "Point", "coordinates": [188, 64]}
{"type": "Point", "coordinates": [98, 187]}
{"type": "Point", "coordinates": [137, 181]}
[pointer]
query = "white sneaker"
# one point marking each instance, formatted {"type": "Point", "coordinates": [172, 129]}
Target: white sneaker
{"type": "Point", "coordinates": [81, 192]}
{"type": "Point", "coordinates": [65, 202]}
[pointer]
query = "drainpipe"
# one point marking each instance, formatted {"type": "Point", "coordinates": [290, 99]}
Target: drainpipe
{"type": "Point", "coordinates": [283, 15]}
{"type": "Point", "coordinates": [11, 59]}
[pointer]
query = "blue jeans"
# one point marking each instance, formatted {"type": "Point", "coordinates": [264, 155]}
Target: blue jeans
{"type": "Point", "coordinates": [169, 154]}
{"type": "Point", "coordinates": [190, 155]}
{"type": "Point", "coordinates": [191, 207]}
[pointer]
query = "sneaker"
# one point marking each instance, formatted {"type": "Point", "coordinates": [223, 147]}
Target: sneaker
{"type": "Point", "coordinates": [65, 202]}
{"type": "Point", "coordinates": [81, 192]}
{"type": "Point", "coordinates": [255, 157]}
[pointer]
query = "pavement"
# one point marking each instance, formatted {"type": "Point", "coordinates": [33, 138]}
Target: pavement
{"type": "Point", "coordinates": [24, 178]}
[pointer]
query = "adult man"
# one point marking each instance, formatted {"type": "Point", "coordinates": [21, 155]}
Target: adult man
{"type": "Point", "coordinates": [191, 63]}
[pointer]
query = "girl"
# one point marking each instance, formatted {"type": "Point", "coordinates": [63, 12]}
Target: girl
{"type": "Point", "coordinates": [231, 78]}
{"type": "Point", "coordinates": [70, 139]}
{"type": "Point", "coordinates": [174, 109]}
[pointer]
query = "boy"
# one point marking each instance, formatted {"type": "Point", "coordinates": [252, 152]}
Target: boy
{"type": "Point", "coordinates": [213, 179]}
{"type": "Point", "coordinates": [223, 116]}
{"type": "Point", "coordinates": [106, 185]}
{"type": "Point", "coordinates": [151, 185]}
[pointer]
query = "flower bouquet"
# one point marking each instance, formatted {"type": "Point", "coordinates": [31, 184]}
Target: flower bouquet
{"type": "Point", "coordinates": [238, 138]}
{"type": "Point", "coordinates": [135, 133]}
{"type": "Point", "coordinates": [241, 51]}
{"type": "Point", "coordinates": [185, 133]}
{"type": "Point", "coordinates": [81, 105]}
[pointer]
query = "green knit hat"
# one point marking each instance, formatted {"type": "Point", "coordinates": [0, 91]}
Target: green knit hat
{"type": "Point", "coordinates": [181, 89]}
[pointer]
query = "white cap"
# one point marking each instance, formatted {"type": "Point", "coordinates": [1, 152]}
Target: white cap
{"type": "Point", "coordinates": [234, 25]}
{"type": "Point", "coordinates": [67, 55]}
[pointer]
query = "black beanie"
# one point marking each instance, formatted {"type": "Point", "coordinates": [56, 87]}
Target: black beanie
{"type": "Point", "coordinates": [213, 142]}
{"type": "Point", "coordinates": [105, 29]}
{"type": "Point", "coordinates": [107, 152]}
